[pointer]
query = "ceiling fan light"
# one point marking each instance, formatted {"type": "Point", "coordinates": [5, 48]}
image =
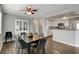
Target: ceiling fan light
{"type": "Point", "coordinates": [28, 13]}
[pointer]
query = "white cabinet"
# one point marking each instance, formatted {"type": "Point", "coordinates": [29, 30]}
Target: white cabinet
{"type": "Point", "coordinates": [18, 26]}
{"type": "Point", "coordinates": [21, 25]}
{"type": "Point", "coordinates": [21, 28]}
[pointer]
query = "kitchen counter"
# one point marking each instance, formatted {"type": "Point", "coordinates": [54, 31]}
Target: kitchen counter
{"type": "Point", "coordinates": [64, 36]}
{"type": "Point", "coordinates": [70, 37]}
{"type": "Point", "coordinates": [63, 29]}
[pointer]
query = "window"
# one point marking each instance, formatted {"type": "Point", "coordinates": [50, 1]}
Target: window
{"type": "Point", "coordinates": [77, 26]}
{"type": "Point", "coordinates": [0, 22]}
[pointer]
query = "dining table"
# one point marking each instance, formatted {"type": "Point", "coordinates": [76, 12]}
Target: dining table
{"type": "Point", "coordinates": [30, 42]}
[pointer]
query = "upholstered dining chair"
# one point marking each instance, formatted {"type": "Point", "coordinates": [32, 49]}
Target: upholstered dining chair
{"type": "Point", "coordinates": [39, 46]}
{"type": "Point", "coordinates": [8, 35]}
{"type": "Point", "coordinates": [22, 46]}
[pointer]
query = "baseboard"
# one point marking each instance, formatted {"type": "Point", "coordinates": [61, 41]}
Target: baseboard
{"type": "Point", "coordinates": [66, 43]}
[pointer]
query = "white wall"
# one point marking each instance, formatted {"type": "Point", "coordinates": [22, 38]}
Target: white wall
{"type": "Point", "coordinates": [8, 23]}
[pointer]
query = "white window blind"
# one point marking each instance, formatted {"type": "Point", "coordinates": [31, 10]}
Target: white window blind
{"type": "Point", "coordinates": [0, 22]}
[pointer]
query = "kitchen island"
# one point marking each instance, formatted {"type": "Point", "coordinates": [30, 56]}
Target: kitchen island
{"type": "Point", "coordinates": [69, 37]}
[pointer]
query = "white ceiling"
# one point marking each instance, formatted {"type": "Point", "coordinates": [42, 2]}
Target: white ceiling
{"type": "Point", "coordinates": [44, 10]}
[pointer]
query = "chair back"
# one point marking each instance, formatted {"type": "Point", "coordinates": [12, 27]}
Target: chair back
{"type": "Point", "coordinates": [8, 35]}
{"type": "Point", "coordinates": [41, 43]}
{"type": "Point", "coordinates": [22, 44]}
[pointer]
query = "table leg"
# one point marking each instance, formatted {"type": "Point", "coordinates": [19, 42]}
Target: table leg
{"type": "Point", "coordinates": [29, 49]}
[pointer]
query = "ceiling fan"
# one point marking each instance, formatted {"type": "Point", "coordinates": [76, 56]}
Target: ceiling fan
{"type": "Point", "coordinates": [29, 10]}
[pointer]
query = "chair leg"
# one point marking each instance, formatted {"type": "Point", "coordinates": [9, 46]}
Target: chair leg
{"type": "Point", "coordinates": [33, 50]}
{"type": "Point", "coordinates": [44, 50]}
{"type": "Point", "coordinates": [38, 51]}
{"type": "Point", "coordinates": [25, 52]}
{"type": "Point", "coordinates": [5, 40]}
{"type": "Point", "coordinates": [20, 51]}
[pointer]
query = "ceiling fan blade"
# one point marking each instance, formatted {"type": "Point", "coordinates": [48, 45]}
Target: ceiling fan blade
{"type": "Point", "coordinates": [34, 10]}
{"type": "Point", "coordinates": [22, 10]}
{"type": "Point", "coordinates": [28, 9]}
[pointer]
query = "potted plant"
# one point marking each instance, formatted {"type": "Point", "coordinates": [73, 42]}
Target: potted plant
{"type": "Point", "coordinates": [30, 35]}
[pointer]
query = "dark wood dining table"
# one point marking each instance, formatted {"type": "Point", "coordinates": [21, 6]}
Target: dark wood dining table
{"type": "Point", "coordinates": [29, 44]}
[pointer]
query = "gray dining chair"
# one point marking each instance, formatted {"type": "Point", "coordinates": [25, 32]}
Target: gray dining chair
{"type": "Point", "coordinates": [23, 46]}
{"type": "Point", "coordinates": [8, 36]}
{"type": "Point", "coordinates": [39, 46]}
